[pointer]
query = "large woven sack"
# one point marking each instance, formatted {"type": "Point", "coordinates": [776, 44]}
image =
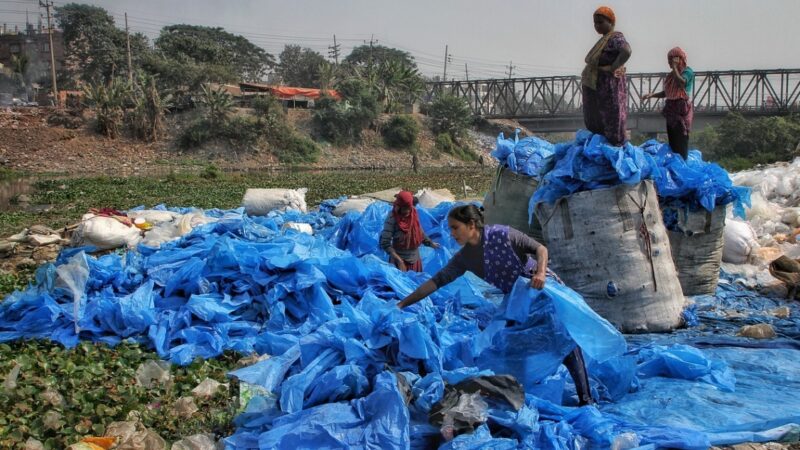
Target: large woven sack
{"type": "Point", "coordinates": [697, 249]}
{"type": "Point", "coordinates": [611, 246]}
{"type": "Point", "coordinates": [260, 202]}
{"type": "Point", "coordinates": [507, 202]}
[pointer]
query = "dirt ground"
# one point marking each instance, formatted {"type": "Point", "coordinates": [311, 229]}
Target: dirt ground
{"type": "Point", "coordinates": [29, 144]}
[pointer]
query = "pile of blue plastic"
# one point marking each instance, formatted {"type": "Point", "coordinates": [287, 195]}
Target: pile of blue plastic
{"type": "Point", "coordinates": [589, 163]}
{"type": "Point", "coordinates": [524, 156]}
{"type": "Point", "coordinates": [348, 369]}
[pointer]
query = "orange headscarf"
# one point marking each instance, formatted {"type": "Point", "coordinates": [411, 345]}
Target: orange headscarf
{"type": "Point", "coordinates": [608, 13]}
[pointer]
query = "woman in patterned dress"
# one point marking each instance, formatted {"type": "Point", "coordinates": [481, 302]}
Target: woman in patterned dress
{"type": "Point", "coordinates": [605, 93]}
{"type": "Point", "coordinates": [678, 108]}
{"type": "Point", "coordinates": [496, 253]}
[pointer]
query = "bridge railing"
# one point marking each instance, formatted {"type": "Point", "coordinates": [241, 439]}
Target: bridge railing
{"type": "Point", "coordinates": [716, 92]}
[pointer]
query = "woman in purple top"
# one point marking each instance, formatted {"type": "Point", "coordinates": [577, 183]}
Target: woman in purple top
{"type": "Point", "coordinates": [605, 93]}
{"type": "Point", "coordinates": [498, 254]}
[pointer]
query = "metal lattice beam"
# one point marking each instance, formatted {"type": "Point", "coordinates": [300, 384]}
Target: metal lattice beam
{"type": "Point", "coordinates": [757, 91]}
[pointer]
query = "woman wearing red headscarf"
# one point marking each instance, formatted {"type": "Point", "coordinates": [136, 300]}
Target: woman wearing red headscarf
{"type": "Point", "coordinates": [605, 92]}
{"type": "Point", "coordinates": [678, 107]}
{"type": "Point", "coordinates": [402, 234]}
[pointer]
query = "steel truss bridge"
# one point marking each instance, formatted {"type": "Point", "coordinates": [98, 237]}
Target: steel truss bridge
{"type": "Point", "coordinates": [554, 103]}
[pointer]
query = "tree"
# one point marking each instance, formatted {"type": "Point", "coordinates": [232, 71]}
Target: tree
{"type": "Point", "coordinates": [366, 55]}
{"type": "Point", "coordinates": [342, 121]}
{"type": "Point", "coordinates": [301, 67]}
{"type": "Point", "coordinates": [222, 55]}
{"type": "Point", "coordinates": [450, 115]}
{"type": "Point", "coordinates": [95, 47]}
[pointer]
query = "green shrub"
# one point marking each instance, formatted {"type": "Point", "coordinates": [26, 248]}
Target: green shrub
{"type": "Point", "coordinates": [401, 131]}
{"type": "Point", "coordinates": [290, 147]}
{"type": "Point", "coordinates": [741, 143]}
{"type": "Point", "coordinates": [266, 106]}
{"type": "Point", "coordinates": [342, 121]}
{"type": "Point", "coordinates": [195, 135]}
{"type": "Point", "coordinates": [241, 131]}
{"type": "Point", "coordinates": [211, 172]}
{"type": "Point", "coordinates": [451, 115]}
{"type": "Point", "coordinates": [444, 144]}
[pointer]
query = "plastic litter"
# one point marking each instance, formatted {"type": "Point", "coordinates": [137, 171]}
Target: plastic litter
{"type": "Point", "coordinates": [33, 444]}
{"type": "Point", "coordinates": [10, 381]}
{"type": "Point", "coordinates": [208, 388]}
{"type": "Point", "coordinates": [151, 373]}
{"type": "Point", "coordinates": [184, 407]}
{"type": "Point", "coordinates": [133, 435]}
{"type": "Point", "coordinates": [195, 442]}
{"type": "Point", "coordinates": [759, 331]}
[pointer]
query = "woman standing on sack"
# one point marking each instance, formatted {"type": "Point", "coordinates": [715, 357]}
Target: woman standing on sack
{"type": "Point", "coordinates": [678, 109]}
{"type": "Point", "coordinates": [605, 90]}
{"type": "Point", "coordinates": [496, 253]}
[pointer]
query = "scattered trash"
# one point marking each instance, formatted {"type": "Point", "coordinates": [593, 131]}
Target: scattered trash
{"type": "Point", "coordinates": [196, 442]}
{"type": "Point", "coordinates": [208, 388]}
{"type": "Point", "coordinates": [153, 373]}
{"type": "Point", "coordinates": [10, 382]}
{"type": "Point", "coordinates": [184, 407]}
{"type": "Point", "coordinates": [33, 444]}
{"type": "Point", "coordinates": [132, 435]}
{"type": "Point", "coordinates": [759, 331]}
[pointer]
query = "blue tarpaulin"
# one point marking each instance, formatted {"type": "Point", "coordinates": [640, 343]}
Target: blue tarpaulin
{"type": "Point", "coordinates": [348, 369]}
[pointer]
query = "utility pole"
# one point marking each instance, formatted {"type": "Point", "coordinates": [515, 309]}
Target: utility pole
{"type": "Point", "coordinates": [511, 68]}
{"type": "Point", "coordinates": [333, 51]}
{"type": "Point", "coordinates": [128, 42]}
{"type": "Point", "coordinates": [447, 58]}
{"type": "Point", "coordinates": [49, 4]}
{"type": "Point", "coordinates": [466, 71]}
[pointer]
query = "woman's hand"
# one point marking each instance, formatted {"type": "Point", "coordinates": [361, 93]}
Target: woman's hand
{"type": "Point", "coordinates": [537, 282]}
{"type": "Point", "coordinates": [399, 263]}
{"type": "Point", "coordinates": [619, 72]}
{"type": "Point", "coordinates": [434, 245]}
{"type": "Point", "coordinates": [647, 96]}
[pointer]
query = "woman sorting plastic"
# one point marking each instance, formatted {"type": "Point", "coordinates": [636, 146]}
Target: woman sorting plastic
{"type": "Point", "coordinates": [605, 93]}
{"type": "Point", "coordinates": [678, 110]}
{"type": "Point", "coordinates": [402, 234]}
{"type": "Point", "coordinates": [499, 255]}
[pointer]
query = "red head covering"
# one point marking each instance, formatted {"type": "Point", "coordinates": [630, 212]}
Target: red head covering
{"type": "Point", "coordinates": [408, 224]}
{"type": "Point", "coordinates": [606, 12]}
{"type": "Point", "coordinates": [672, 87]}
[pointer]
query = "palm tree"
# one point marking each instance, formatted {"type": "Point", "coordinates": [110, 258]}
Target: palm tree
{"type": "Point", "coordinates": [217, 103]}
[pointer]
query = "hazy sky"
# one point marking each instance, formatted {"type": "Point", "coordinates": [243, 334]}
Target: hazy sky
{"type": "Point", "coordinates": [540, 37]}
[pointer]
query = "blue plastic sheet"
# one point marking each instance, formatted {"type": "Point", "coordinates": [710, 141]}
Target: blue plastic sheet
{"type": "Point", "coordinates": [324, 307]}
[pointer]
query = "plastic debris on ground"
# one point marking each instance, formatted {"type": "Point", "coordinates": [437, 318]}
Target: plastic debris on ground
{"type": "Point", "coordinates": [771, 228]}
{"type": "Point", "coordinates": [348, 369]}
